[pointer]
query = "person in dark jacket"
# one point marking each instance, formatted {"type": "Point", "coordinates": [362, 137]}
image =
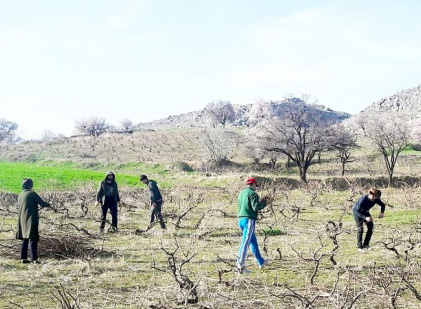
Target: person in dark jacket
{"type": "Point", "coordinates": [28, 221]}
{"type": "Point", "coordinates": [109, 198]}
{"type": "Point", "coordinates": [249, 205]}
{"type": "Point", "coordinates": [156, 201]}
{"type": "Point", "coordinates": [362, 216]}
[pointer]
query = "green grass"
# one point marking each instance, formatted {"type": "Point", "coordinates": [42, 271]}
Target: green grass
{"type": "Point", "coordinates": [273, 232]}
{"type": "Point", "coordinates": [51, 177]}
{"type": "Point", "coordinates": [67, 175]}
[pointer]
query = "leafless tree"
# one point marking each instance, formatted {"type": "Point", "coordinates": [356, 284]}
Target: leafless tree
{"type": "Point", "coordinates": [92, 126]}
{"type": "Point", "coordinates": [127, 126]}
{"type": "Point", "coordinates": [343, 142]}
{"type": "Point", "coordinates": [187, 287]}
{"type": "Point", "coordinates": [7, 130]}
{"type": "Point", "coordinates": [316, 257]}
{"type": "Point", "coordinates": [219, 112]}
{"type": "Point", "coordinates": [259, 113]}
{"type": "Point", "coordinates": [416, 129]}
{"type": "Point", "coordinates": [65, 298]}
{"type": "Point", "coordinates": [390, 136]}
{"type": "Point", "coordinates": [218, 144]}
{"type": "Point", "coordinates": [299, 133]}
{"type": "Point", "coordinates": [48, 136]}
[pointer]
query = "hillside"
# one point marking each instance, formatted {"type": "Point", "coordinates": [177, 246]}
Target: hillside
{"type": "Point", "coordinates": [406, 104]}
{"type": "Point", "coordinates": [243, 116]}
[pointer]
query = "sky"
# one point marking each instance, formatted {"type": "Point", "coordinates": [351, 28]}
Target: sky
{"type": "Point", "coordinates": [62, 61]}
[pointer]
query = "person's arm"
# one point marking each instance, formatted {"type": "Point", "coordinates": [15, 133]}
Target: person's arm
{"type": "Point", "coordinates": [100, 193]}
{"type": "Point", "coordinates": [256, 205]}
{"type": "Point", "coordinates": [382, 207]}
{"type": "Point", "coordinates": [40, 201]}
{"type": "Point", "coordinates": [117, 195]}
{"type": "Point", "coordinates": [357, 208]}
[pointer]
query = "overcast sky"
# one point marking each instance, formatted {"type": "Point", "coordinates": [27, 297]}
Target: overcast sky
{"type": "Point", "coordinates": [149, 59]}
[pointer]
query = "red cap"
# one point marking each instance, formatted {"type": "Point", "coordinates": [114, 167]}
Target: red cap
{"type": "Point", "coordinates": [251, 180]}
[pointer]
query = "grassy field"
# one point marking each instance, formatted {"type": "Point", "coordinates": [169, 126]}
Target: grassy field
{"type": "Point", "coordinates": [308, 233]}
{"type": "Point", "coordinates": [52, 177]}
{"type": "Point", "coordinates": [190, 263]}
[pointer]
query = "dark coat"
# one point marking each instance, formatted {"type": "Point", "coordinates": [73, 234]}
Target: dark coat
{"type": "Point", "coordinates": [156, 196]}
{"type": "Point", "coordinates": [362, 207]}
{"type": "Point", "coordinates": [108, 190]}
{"type": "Point", "coordinates": [28, 217]}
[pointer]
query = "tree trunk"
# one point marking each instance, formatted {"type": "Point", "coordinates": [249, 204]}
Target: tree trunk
{"type": "Point", "coordinates": [343, 169]}
{"type": "Point", "coordinates": [303, 173]}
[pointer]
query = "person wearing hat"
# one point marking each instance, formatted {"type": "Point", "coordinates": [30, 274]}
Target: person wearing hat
{"type": "Point", "coordinates": [362, 216]}
{"type": "Point", "coordinates": [28, 221]}
{"type": "Point", "coordinates": [249, 205]}
{"type": "Point", "coordinates": [109, 198]}
{"type": "Point", "coordinates": [156, 201]}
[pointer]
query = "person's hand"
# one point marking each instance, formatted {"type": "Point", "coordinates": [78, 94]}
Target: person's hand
{"type": "Point", "coordinates": [266, 199]}
{"type": "Point", "coordinates": [368, 219]}
{"type": "Point", "coordinates": [96, 203]}
{"type": "Point", "coordinates": [154, 205]}
{"type": "Point", "coordinates": [381, 215]}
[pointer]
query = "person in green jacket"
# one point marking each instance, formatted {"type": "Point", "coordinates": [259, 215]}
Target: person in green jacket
{"type": "Point", "coordinates": [249, 205]}
{"type": "Point", "coordinates": [28, 221]}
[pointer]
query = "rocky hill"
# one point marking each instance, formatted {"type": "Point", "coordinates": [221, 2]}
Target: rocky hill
{"type": "Point", "coordinates": [405, 104]}
{"type": "Point", "coordinates": [243, 116]}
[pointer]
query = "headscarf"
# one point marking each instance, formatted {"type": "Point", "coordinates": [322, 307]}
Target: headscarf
{"type": "Point", "coordinates": [27, 184]}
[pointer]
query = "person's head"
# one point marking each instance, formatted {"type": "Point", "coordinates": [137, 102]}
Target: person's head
{"type": "Point", "coordinates": [252, 183]}
{"type": "Point", "coordinates": [144, 179]}
{"type": "Point", "coordinates": [27, 184]}
{"type": "Point", "coordinates": [374, 193]}
{"type": "Point", "coordinates": [110, 176]}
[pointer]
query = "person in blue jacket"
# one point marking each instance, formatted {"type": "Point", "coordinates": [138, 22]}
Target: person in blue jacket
{"type": "Point", "coordinates": [362, 216]}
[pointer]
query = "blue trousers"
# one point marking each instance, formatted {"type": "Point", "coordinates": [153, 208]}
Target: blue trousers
{"type": "Point", "coordinates": [248, 226]}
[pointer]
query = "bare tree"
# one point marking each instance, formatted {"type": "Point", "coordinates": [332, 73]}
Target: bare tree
{"type": "Point", "coordinates": [415, 133]}
{"type": "Point", "coordinates": [260, 112]}
{"type": "Point", "coordinates": [299, 133]}
{"type": "Point", "coordinates": [343, 142]}
{"type": "Point", "coordinates": [127, 126]}
{"type": "Point", "coordinates": [218, 144]}
{"type": "Point", "coordinates": [220, 112]}
{"type": "Point", "coordinates": [48, 136]}
{"type": "Point", "coordinates": [92, 126]}
{"type": "Point", "coordinates": [7, 130]}
{"type": "Point", "coordinates": [187, 287]}
{"type": "Point", "coordinates": [390, 135]}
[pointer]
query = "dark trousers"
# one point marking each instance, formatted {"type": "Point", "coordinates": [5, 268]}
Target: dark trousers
{"type": "Point", "coordinates": [360, 230]}
{"type": "Point", "coordinates": [33, 249]}
{"type": "Point", "coordinates": [112, 206]}
{"type": "Point", "coordinates": [155, 215]}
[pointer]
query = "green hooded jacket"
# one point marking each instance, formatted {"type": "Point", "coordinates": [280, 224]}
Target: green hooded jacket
{"type": "Point", "coordinates": [249, 204]}
{"type": "Point", "coordinates": [28, 217]}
